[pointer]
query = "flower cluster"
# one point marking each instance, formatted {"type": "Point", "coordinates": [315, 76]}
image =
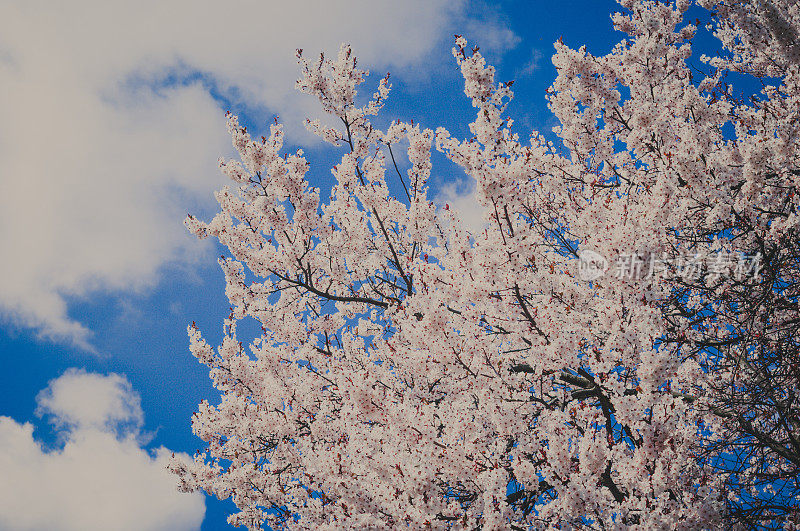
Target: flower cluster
{"type": "Point", "coordinates": [412, 374]}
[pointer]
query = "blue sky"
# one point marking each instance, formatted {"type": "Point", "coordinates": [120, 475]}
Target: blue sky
{"type": "Point", "coordinates": [111, 124]}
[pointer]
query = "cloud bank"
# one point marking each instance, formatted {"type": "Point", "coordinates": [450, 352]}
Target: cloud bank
{"type": "Point", "coordinates": [110, 124]}
{"type": "Point", "coordinates": [102, 478]}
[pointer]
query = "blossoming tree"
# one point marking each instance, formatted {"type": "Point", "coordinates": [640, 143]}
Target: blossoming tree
{"type": "Point", "coordinates": [412, 374]}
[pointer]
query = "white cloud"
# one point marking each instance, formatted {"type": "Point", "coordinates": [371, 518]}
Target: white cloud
{"type": "Point", "coordinates": [102, 478]}
{"type": "Point", "coordinates": [79, 400]}
{"type": "Point", "coordinates": [533, 64]}
{"type": "Point", "coordinates": [460, 196]}
{"type": "Point", "coordinates": [102, 152]}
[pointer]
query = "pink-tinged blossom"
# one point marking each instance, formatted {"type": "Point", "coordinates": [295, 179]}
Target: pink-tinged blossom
{"type": "Point", "coordinates": [408, 371]}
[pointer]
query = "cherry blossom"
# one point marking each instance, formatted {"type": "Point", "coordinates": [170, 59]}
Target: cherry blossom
{"type": "Point", "coordinates": [413, 374]}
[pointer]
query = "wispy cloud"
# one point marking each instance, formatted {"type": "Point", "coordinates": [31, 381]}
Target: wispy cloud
{"type": "Point", "coordinates": [533, 64]}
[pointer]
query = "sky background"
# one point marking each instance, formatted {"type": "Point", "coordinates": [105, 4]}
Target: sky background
{"type": "Point", "coordinates": [112, 118]}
